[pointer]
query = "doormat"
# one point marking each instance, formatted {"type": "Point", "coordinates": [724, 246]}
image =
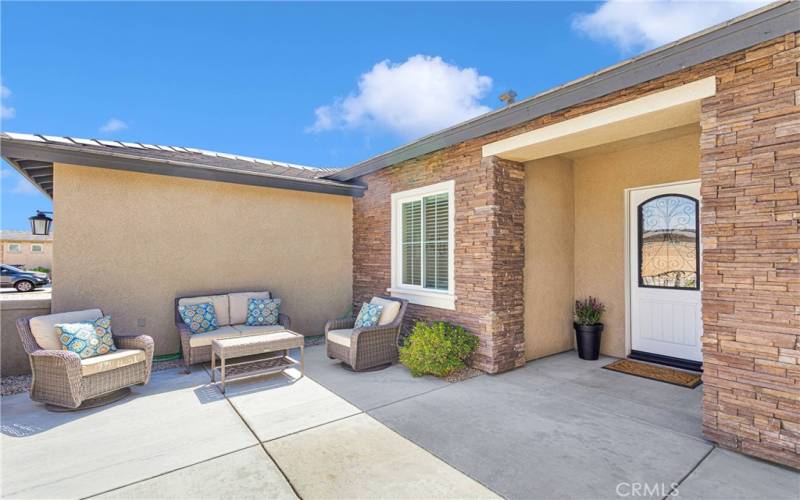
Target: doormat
{"type": "Point", "coordinates": [660, 373]}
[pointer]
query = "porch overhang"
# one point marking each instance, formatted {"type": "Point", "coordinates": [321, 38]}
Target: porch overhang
{"type": "Point", "coordinates": [658, 111]}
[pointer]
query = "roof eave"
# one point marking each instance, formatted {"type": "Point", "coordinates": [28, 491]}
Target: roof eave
{"type": "Point", "coordinates": [21, 171]}
{"type": "Point", "coordinates": [16, 149]}
{"type": "Point", "coordinates": [738, 34]}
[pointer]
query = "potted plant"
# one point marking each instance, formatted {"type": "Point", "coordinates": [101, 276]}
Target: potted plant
{"type": "Point", "coordinates": [588, 327]}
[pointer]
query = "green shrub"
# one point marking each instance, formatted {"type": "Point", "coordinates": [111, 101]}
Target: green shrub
{"type": "Point", "coordinates": [438, 349]}
{"type": "Point", "coordinates": [41, 269]}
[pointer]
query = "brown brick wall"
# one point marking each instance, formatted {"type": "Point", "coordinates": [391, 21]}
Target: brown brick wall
{"type": "Point", "coordinates": [750, 171]}
{"type": "Point", "coordinates": [750, 168]}
{"type": "Point", "coordinates": [489, 208]}
{"type": "Point", "coordinates": [481, 307]}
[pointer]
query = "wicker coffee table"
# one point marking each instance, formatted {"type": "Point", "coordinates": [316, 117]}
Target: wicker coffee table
{"type": "Point", "coordinates": [269, 353]}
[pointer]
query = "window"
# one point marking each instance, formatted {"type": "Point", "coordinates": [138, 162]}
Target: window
{"type": "Point", "coordinates": [14, 248]}
{"type": "Point", "coordinates": [37, 248]}
{"type": "Point", "coordinates": [422, 245]}
{"type": "Point", "coordinates": [668, 243]}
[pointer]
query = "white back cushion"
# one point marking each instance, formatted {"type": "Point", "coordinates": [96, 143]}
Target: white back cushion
{"type": "Point", "coordinates": [220, 306]}
{"type": "Point", "coordinates": [43, 328]}
{"type": "Point", "coordinates": [389, 311]}
{"type": "Point", "coordinates": [239, 301]}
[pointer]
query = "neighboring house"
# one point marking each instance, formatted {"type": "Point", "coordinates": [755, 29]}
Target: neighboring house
{"type": "Point", "coordinates": [597, 187]}
{"type": "Point", "coordinates": [25, 250]}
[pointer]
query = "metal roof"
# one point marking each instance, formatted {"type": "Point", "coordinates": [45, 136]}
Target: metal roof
{"type": "Point", "coordinates": [33, 156]}
{"type": "Point", "coordinates": [752, 28]}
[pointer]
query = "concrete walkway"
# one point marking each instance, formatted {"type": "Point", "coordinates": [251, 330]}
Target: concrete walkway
{"type": "Point", "coordinates": [558, 428]}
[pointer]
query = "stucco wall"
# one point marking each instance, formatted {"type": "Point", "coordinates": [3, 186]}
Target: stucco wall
{"type": "Point", "coordinates": [549, 262]}
{"type": "Point", "coordinates": [13, 358]}
{"type": "Point", "coordinates": [130, 243]}
{"type": "Point", "coordinates": [26, 258]}
{"type": "Point", "coordinates": [601, 178]}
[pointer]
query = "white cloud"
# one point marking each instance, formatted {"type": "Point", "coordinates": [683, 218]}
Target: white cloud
{"type": "Point", "coordinates": [24, 186]}
{"type": "Point", "coordinates": [643, 24]}
{"type": "Point", "coordinates": [113, 125]}
{"type": "Point", "coordinates": [20, 185]}
{"type": "Point", "coordinates": [6, 112]}
{"type": "Point", "coordinates": [413, 98]}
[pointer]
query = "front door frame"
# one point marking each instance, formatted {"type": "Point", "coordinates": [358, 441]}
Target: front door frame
{"type": "Point", "coordinates": [628, 256]}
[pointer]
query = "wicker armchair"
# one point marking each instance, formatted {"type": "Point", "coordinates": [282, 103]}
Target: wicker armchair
{"type": "Point", "coordinates": [369, 347]}
{"type": "Point", "coordinates": [200, 354]}
{"type": "Point", "coordinates": [58, 378]}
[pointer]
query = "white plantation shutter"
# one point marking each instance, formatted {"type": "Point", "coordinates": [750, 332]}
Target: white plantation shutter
{"type": "Point", "coordinates": [422, 245]}
{"type": "Point", "coordinates": [435, 242]}
{"type": "Point", "coordinates": [412, 243]}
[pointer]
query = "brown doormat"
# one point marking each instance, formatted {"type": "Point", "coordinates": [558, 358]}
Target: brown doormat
{"type": "Point", "coordinates": [660, 373]}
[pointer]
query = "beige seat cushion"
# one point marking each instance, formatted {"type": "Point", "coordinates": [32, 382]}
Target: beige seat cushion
{"type": "Point", "coordinates": [389, 311]}
{"type": "Point", "coordinates": [111, 361]}
{"type": "Point", "coordinates": [43, 328]}
{"type": "Point", "coordinates": [258, 330]}
{"type": "Point", "coordinates": [341, 337]}
{"type": "Point", "coordinates": [220, 306]}
{"type": "Point", "coordinates": [204, 339]}
{"type": "Point", "coordinates": [238, 304]}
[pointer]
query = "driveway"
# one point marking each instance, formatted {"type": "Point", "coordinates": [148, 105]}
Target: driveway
{"type": "Point", "coordinates": [37, 294]}
{"type": "Point", "coordinates": [558, 428]}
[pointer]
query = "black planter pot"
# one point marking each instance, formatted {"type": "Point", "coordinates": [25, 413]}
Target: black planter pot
{"type": "Point", "coordinates": [588, 339]}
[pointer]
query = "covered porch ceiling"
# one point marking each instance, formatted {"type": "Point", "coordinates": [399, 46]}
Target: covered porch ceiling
{"type": "Point", "coordinates": [668, 109]}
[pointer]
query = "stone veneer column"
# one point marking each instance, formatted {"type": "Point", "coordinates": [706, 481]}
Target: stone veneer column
{"type": "Point", "coordinates": [506, 241]}
{"type": "Point", "coordinates": [750, 169]}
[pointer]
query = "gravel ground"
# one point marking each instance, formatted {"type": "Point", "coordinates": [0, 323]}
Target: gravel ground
{"type": "Point", "coordinates": [14, 384]}
{"type": "Point", "coordinates": [463, 374]}
{"type": "Point", "coordinates": [166, 365]}
{"type": "Point", "coordinates": [317, 340]}
{"type": "Point", "coordinates": [21, 383]}
{"type": "Point", "coordinates": [17, 384]}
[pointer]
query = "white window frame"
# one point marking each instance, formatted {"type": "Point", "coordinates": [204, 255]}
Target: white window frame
{"type": "Point", "coordinates": [418, 294]}
{"type": "Point", "coordinates": [33, 248]}
{"type": "Point", "coordinates": [14, 248]}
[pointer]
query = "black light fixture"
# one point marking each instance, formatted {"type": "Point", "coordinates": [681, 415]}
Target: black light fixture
{"type": "Point", "coordinates": [40, 223]}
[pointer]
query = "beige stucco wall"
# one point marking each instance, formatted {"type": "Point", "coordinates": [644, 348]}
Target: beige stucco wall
{"type": "Point", "coordinates": [600, 179]}
{"type": "Point", "coordinates": [549, 265]}
{"type": "Point", "coordinates": [27, 258]}
{"type": "Point", "coordinates": [129, 243]}
{"type": "Point", "coordinates": [13, 358]}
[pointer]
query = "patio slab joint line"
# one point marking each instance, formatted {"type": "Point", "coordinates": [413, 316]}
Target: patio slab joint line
{"type": "Point", "coordinates": [677, 486]}
{"type": "Point", "coordinates": [94, 495]}
{"type": "Point", "coordinates": [384, 405]}
{"type": "Point", "coordinates": [289, 482]}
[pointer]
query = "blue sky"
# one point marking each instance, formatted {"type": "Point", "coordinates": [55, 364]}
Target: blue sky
{"type": "Point", "coordinates": [317, 84]}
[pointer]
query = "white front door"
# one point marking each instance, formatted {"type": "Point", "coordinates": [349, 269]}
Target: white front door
{"type": "Point", "coordinates": [664, 258]}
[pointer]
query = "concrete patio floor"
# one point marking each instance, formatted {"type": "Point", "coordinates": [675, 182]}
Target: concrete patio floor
{"type": "Point", "coordinates": [557, 428]}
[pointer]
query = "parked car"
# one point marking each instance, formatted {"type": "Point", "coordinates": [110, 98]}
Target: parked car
{"type": "Point", "coordinates": [23, 281]}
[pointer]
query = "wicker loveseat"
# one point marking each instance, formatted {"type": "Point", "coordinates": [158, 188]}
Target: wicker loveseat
{"type": "Point", "coordinates": [231, 311]}
{"type": "Point", "coordinates": [62, 379]}
{"type": "Point", "coordinates": [365, 348]}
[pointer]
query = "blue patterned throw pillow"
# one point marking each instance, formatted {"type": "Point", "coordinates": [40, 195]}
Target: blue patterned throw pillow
{"type": "Point", "coordinates": [368, 315]}
{"type": "Point", "coordinates": [87, 339]}
{"type": "Point", "coordinates": [263, 312]}
{"type": "Point", "coordinates": [200, 318]}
